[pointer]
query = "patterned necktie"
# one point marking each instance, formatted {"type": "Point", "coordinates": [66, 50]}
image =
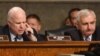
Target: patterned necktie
{"type": "Point", "coordinates": [87, 39]}
{"type": "Point", "coordinates": [18, 39]}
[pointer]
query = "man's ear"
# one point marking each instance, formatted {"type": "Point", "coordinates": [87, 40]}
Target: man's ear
{"type": "Point", "coordinates": [8, 22]}
{"type": "Point", "coordinates": [39, 27]}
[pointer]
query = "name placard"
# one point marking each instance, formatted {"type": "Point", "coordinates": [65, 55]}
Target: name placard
{"type": "Point", "coordinates": [4, 38]}
{"type": "Point", "coordinates": [59, 38]}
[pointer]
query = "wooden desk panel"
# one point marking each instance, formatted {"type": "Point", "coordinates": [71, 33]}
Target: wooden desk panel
{"type": "Point", "coordinates": [41, 48]}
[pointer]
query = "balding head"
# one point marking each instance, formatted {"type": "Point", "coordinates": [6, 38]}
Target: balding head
{"type": "Point", "coordinates": [14, 11]}
{"type": "Point", "coordinates": [16, 20]}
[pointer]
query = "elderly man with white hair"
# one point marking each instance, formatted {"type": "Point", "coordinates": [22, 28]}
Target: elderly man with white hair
{"type": "Point", "coordinates": [86, 27]}
{"type": "Point", "coordinates": [17, 29]}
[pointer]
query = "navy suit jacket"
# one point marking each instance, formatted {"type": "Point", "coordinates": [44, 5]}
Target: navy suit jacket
{"type": "Point", "coordinates": [77, 36]}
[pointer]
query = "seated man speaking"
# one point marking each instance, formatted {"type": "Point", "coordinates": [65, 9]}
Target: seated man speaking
{"type": "Point", "coordinates": [86, 27]}
{"type": "Point", "coordinates": [17, 29]}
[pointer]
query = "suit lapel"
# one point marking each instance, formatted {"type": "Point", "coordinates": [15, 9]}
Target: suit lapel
{"type": "Point", "coordinates": [80, 36]}
{"type": "Point", "coordinates": [6, 32]}
{"type": "Point", "coordinates": [94, 36]}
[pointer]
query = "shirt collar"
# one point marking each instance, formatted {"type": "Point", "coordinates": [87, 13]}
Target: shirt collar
{"type": "Point", "coordinates": [13, 37]}
{"type": "Point", "coordinates": [90, 37]}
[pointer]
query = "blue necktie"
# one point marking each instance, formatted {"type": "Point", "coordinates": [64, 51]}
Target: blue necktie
{"type": "Point", "coordinates": [16, 38]}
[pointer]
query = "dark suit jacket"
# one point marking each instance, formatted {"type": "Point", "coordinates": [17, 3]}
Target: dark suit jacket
{"type": "Point", "coordinates": [41, 37]}
{"type": "Point", "coordinates": [5, 31]}
{"type": "Point", "coordinates": [77, 36]}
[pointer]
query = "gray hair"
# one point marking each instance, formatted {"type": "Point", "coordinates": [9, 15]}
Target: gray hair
{"type": "Point", "coordinates": [84, 13]}
{"type": "Point", "coordinates": [13, 11]}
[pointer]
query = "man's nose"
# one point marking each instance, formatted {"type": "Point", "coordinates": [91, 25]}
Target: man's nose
{"type": "Point", "coordinates": [22, 25]}
{"type": "Point", "coordinates": [89, 26]}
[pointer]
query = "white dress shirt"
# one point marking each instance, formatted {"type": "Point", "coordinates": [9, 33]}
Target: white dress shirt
{"type": "Point", "coordinates": [13, 38]}
{"type": "Point", "coordinates": [89, 38]}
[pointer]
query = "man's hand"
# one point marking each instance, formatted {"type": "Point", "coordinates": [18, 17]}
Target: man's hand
{"type": "Point", "coordinates": [29, 30]}
{"type": "Point", "coordinates": [30, 33]}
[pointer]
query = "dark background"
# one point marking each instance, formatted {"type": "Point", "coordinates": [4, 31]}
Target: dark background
{"type": "Point", "coordinates": [52, 13]}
